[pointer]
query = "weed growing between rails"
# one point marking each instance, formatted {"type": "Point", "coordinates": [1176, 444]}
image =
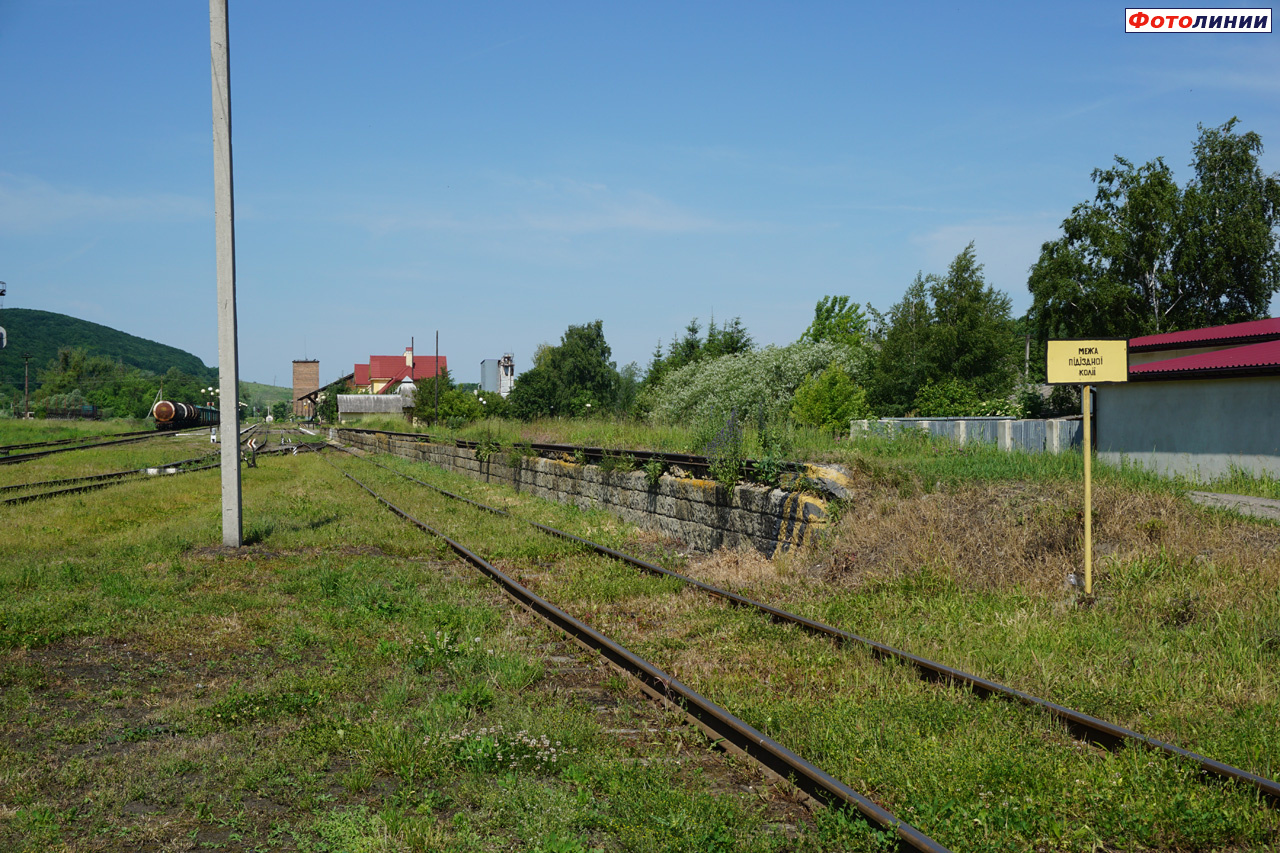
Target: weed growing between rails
{"type": "Point", "coordinates": [315, 691]}
{"type": "Point", "coordinates": [941, 755]}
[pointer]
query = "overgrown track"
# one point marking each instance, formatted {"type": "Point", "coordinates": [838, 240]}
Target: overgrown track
{"type": "Point", "coordinates": [697, 465]}
{"type": "Point", "coordinates": [39, 454]}
{"type": "Point", "coordinates": [1082, 726]}
{"type": "Point", "coordinates": [77, 485]}
{"type": "Point", "coordinates": [722, 726]}
{"type": "Point", "coordinates": [6, 449]}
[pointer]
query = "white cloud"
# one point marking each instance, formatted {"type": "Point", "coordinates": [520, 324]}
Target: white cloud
{"type": "Point", "coordinates": [29, 204]}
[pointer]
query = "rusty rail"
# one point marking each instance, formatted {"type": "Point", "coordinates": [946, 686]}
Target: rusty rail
{"type": "Point", "coordinates": [1082, 726]}
{"type": "Point", "coordinates": [721, 724]}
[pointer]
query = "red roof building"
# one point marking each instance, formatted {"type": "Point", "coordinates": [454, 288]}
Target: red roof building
{"type": "Point", "coordinates": [1249, 360]}
{"type": "Point", "coordinates": [384, 373]}
{"type": "Point", "coordinates": [1200, 403]}
{"type": "Point", "coordinates": [1233, 334]}
{"type": "Point", "coordinates": [1172, 345]}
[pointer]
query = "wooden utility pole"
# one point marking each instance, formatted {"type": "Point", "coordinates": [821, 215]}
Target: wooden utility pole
{"type": "Point", "coordinates": [225, 234]}
{"type": "Point", "coordinates": [437, 376]}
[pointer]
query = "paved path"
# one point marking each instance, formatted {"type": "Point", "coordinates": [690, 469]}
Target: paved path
{"type": "Point", "coordinates": [1243, 504]}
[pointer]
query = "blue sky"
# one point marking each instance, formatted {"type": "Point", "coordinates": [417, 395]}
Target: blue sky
{"type": "Point", "coordinates": [498, 171]}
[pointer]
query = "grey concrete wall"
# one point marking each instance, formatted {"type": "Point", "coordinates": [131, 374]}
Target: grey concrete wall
{"type": "Point", "coordinates": [1057, 435]}
{"type": "Point", "coordinates": [1197, 428]}
{"type": "Point", "coordinates": [696, 511]}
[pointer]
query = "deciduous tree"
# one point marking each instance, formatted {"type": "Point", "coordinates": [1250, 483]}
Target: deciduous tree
{"type": "Point", "coordinates": [1146, 257]}
{"type": "Point", "coordinates": [837, 320]}
{"type": "Point", "coordinates": [574, 378]}
{"type": "Point", "coordinates": [1227, 255]}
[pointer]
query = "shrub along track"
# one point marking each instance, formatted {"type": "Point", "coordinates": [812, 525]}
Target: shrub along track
{"type": "Point", "coordinates": [750, 741]}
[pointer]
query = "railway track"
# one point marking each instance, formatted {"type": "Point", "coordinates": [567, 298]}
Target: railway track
{"type": "Point", "coordinates": [99, 481]}
{"type": "Point", "coordinates": [1085, 728]}
{"type": "Point", "coordinates": [696, 465]}
{"type": "Point", "coordinates": [1082, 726]}
{"type": "Point", "coordinates": [128, 438]}
{"type": "Point", "coordinates": [7, 449]}
{"type": "Point", "coordinates": [93, 482]}
{"type": "Point", "coordinates": [723, 727]}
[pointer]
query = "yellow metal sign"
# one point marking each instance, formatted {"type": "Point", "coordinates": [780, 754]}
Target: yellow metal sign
{"type": "Point", "coordinates": [1077, 362]}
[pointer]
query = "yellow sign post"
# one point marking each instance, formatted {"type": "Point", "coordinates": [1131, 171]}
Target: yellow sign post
{"type": "Point", "coordinates": [1088, 363]}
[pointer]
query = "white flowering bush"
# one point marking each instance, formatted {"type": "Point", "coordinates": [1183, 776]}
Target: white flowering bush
{"type": "Point", "coordinates": [710, 389]}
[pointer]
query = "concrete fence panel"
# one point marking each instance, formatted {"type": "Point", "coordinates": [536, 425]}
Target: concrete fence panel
{"type": "Point", "coordinates": [1055, 435]}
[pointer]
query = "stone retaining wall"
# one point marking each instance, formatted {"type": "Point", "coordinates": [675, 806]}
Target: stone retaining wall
{"type": "Point", "coordinates": [699, 512]}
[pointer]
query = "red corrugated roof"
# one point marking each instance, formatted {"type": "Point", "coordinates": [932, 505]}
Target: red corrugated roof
{"type": "Point", "coordinates": [423, 368]}
{"type": "Point", "coordinates": [382, 366]}
{"type": "Point", "coordinates": [426, 366]}
{"type": "Point", "coordinates": [393, 369]}
{"type": "Point", "coordinates": [1252, 358]}
{"type": "Point", "coordinates": [1254, 330]}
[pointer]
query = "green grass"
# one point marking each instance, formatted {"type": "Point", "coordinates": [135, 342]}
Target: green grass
{"type": "Point", "coordinates": [335, 686]}
{"type": "Point", "coordinates": [1180, 651]}
{"type": "Point", "coordinates": [341, 685]}
{"type": "Point", "coordinates": [1241, 482]}
{"type": "Point", "coordinates": [22, 431]}
{"type": "Point", "coordinates": [910, 459]}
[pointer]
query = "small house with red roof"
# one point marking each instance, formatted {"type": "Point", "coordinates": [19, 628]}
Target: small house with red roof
{"type": "Point", "coordinates": [1198, 403]}
{"type": "Point", "coordinates": [386, 385]}
{"type": "Point", "coordinates": [384, 373]}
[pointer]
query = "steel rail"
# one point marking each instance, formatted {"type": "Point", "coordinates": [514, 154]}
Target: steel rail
{"type": "Point", "coordinates": [93, 486]}
{"type": "Point", "coordinates": [65, 480]}
{"type": "Point", "coordinates": [118, 477]}
{"type": "Point", "coordinates": [1082, 726]}
{"type": "Point", "coordinates": [735, 732]}
{"type": "Point", "coordinates": [84, 439]}
{"type": "Point", "coordinates": [23, 457]}
{"type": "Point", "coordinates": [110, 476]}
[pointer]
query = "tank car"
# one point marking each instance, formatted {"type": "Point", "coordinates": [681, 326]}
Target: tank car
{"type": "Point", "coordinates": [171, 415]}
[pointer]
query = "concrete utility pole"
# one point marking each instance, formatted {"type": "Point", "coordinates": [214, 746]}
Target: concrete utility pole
{"type": "Point", "coordinates": [225, 233]}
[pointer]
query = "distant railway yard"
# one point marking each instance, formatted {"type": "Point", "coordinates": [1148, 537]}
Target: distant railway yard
{"type": "Point", "coordinates": [402, 658]}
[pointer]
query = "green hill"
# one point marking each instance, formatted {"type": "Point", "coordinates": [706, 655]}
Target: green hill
{"type": "Point", "coordinates": [257, 392]}
{"type": "Point", "coordinates": [43, 333]}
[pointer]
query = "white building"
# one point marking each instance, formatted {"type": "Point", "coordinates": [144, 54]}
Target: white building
{"type": "Point", "coordinates": [498, 374]}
